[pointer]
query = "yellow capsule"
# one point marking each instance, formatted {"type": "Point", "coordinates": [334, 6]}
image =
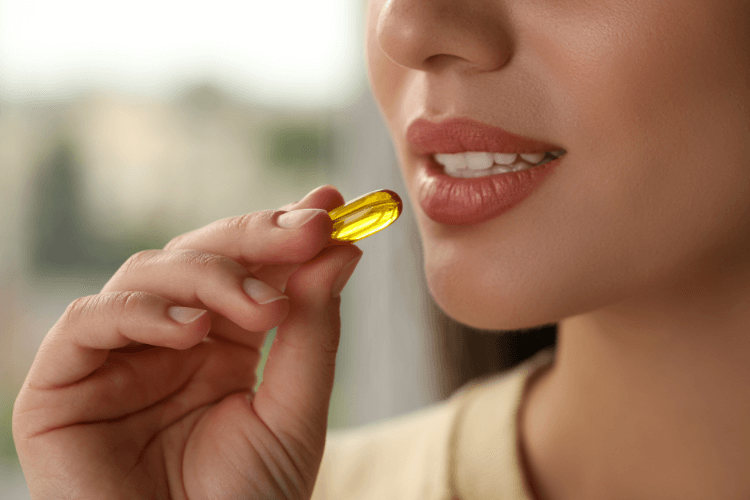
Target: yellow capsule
{"type": "Point", "coordinates": [364, 216]}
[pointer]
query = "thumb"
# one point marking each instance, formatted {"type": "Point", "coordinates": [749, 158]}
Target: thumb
{"type": "Point", "coordinates": [298, 378]}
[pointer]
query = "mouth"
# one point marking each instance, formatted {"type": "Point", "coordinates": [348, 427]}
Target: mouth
{"type": "Point", "coordinates": [469, 172]}
{"type": "Point", "coordinates": [472, 164]}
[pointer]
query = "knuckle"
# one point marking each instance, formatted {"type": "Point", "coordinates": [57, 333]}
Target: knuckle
{"type": "Point", "coordinates": [242, 223]}
{"type": "Point", "coordinates": [180, 241]}
{"type": "Point", "coordinates": [329, 348]}
{"type": "Point", "coordinates": [173, 243]}
{"type": "Point", "coordinates": [78, 308]}
{"type": "Point", "coordinates": [110, 303]}
{"type": "Point", "coordinates": [138, 259]}
{"type": "Point", "coordinates": [207, 262]}
{"type": "Point", "coordinates": [241, 226]}
{"type": "Point", "coordinates": [123, 302]}
{"type": "Point", "coordinates": [230, 225]}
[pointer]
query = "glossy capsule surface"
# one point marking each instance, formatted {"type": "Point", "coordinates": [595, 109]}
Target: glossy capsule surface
{"type": "Point", "coordinates": [364, 216]}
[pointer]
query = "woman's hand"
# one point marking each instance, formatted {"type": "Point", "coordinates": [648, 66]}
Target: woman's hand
{"type": "Point", "coordinates": [137, 393]}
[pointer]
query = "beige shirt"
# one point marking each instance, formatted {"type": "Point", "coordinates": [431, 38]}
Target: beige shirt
{"type": "Point", "coordinates": [464, 448]}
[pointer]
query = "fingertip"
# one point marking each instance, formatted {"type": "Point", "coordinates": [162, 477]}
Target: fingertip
{"type": "Point", "coordinates": [346, 253]}
{"type": "Point", "coordinates": [344, 274]}
{"type": "Point", "coordinates": [193, 325]}
{"type": "Point", "coordinates": [305, 241]}
{"type": "Point", "coordinates": [295, 219]}
{"type": "Point", "coordinates": [265, 317]}
{"type": "Point", "coordinates": [261, 292]}
{"type": "Point", "coordinates": [185, 315]}
{"type": "Point", "coordinates": [315, 282]}
{"type": "Point", "coordinates": [326, 197]}
{"type": "Point", "coordinates": [333, 199]}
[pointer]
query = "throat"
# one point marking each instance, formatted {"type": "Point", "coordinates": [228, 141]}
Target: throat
{"type": "Point", "coordinates": [614, 420]}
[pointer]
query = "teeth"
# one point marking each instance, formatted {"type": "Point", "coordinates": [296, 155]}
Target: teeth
{"type": "Point", "coordinates": [480, 163]}
{"type": "Point", "coordinates": [505, 158]}
{"type": "Point", "coordinates": [501, 169]}
{"type": "Point", "coordinates": [469, 173]}
{"type": "Point", "coordinates": [533, 158]}
{"type": "Point", "coordinates": [452, 162]}
{"type": "Point", "coordinates": [479, 160]}
{"type": "Point", "coordinates": [521, 165]}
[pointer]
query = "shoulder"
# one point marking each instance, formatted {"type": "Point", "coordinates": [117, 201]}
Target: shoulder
{"type": "Point", "coordinates": [415, 456]}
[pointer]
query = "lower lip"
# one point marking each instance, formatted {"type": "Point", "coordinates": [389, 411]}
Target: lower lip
{"type": "Point", "coordinates": [459, 201]}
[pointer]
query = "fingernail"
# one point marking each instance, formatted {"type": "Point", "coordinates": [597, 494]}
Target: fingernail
{"type": "Point", "coordinates": [185, 315]}
{"type": "Point", "coordinates": [343, 277]}
{"type": "Point", "coordinates": [297, 218]}
{"type": "Point", "coordinates": [261, 292]}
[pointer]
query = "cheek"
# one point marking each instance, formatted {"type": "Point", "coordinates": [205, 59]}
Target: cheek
{"type": "Point", "coordinates": [665, 134]}
{"type": "Point", "coordinates": [386, 78]}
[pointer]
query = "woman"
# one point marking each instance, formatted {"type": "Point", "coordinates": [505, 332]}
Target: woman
{"type": "Point", "coordinates": [634, 240]}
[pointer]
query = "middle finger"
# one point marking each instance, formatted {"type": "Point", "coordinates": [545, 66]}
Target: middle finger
{"type": "Point", "coordinates": [197, 279]}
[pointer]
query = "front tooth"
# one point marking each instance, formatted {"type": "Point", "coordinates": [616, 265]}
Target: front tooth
{"type": "Point", "coordinates": [501, 169]}
{"type": "Point", "coordinates": [479, 160]}
{"type": "Point", "coordinates": [504, 158]}
{"type": "Point", "coordinates": [451, 161]}
{"type": "Point", "coordinates": [533, 158]}
{"type": "Point", "coordinates": [521, 165]}
{"type": "Point", "coordinates": [469, 173]}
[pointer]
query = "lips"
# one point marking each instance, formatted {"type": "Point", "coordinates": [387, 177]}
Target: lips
{"type": "Point", "coordinates": [458, 135]}
{"type": "Point", "coordinates": [465, 201]}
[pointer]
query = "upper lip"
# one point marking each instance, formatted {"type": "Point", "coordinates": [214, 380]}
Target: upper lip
{"type": "Point", "coordinates": [458, 135]}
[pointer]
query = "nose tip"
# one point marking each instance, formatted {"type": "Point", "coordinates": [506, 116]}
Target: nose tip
{"type": "Point", "coordinates": [431, 35]}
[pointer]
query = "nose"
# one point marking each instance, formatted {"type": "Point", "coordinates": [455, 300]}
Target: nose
{"type": "Point", "coordinates": [431, 35]}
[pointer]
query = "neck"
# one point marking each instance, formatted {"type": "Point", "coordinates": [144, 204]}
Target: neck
{"type": "Point", "coordinates": [647, 399]}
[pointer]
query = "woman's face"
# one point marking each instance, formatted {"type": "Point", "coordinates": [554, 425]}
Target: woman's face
{"type": "Point", "coordinates": [651, 101]}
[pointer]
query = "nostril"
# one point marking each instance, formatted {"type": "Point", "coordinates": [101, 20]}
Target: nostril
{"type": "Point", "coordinates": [438, 62]}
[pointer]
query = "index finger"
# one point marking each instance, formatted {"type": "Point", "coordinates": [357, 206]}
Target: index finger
{"type": "Point", "coordinates": [326, 197]}
{"type": "Point", "coordinates": [270, 236]}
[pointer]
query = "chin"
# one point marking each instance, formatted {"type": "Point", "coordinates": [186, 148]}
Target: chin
{"type": "Point", "coordinates": [471, 300]}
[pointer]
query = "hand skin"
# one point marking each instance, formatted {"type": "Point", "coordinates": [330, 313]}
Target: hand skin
{"type": "Point", "coordinates": [122, 401]}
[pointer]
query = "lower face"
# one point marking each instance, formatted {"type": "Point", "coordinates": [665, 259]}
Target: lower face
{"type": "Point", "coordinates": [651, 101]}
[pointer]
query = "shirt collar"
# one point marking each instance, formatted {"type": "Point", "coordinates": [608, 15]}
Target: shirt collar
{"type": "Point", "coordinates": [486, 463]}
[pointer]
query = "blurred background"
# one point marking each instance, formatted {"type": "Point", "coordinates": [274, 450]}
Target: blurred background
{"type": "Point", "coordinates": [124, 124]}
